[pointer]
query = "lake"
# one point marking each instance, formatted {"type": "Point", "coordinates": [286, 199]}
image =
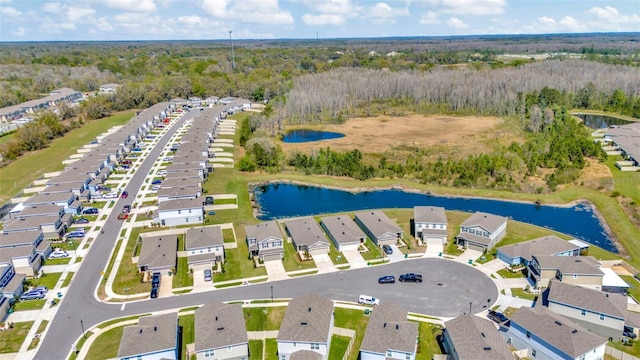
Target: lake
{"type": "Point", "coordinates": [299, 136]}
{"type": "Point", "coordinates": [600, 121]}
{"type": "Point", "coordinates": [287, 200]}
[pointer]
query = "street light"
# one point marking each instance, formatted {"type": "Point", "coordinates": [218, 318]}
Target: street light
{"type": "Point", "coordinates": [84, 335]}
{"type": "Point", "coordinates": [271, 293]}
{"type": "Point", "coordinates": [233, 56]}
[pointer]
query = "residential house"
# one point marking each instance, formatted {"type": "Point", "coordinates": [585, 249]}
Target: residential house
{"type": "Point", "coordinates": [389, 335]}
{"type": "Point", "coordinates": [545, 335]}
{"type": "Point", "coordinates": [306, 235]}
{"type": "Point", "coordinates": [430, 224]}
{"type": "Point", "coordinates": [265, 240]}
{"type": "Point", "coordinates": [158, 253]}
{"type": "Point", "coordinates": [380, 229]}
{"type": "Point", "coordinates": [612, 282]}
{"type": "Point", "coordinates": [51, 225]}
{"type": "Point", "coordinates": [343, 232]}
{"type": "Point", "coordinates": [27, 238]}
{"type": "Point", "coordinates": [39, 210]}
{"type": "Point", "coordinates": [195, 101]}
{"type": "Point", "coordinates": [576, 270]}
{"type": "Point", "coordinates": [178, 193]}
{"type": "Point", "coordinates": [108, 88]}
{"type": "Point", "coordinates": [220, 332]}
{"type": "Point", "coordinates": [469, 337]}
{"type": "Point", "coordinates": [11, 284]}
{"type": "Point", "coordinates": [179, 212]}
{"type": "Point", "coordinates": [204, 245]}
{"type": "Point", "coordinates": [307, 325]}
{"type": "Point", "coordinates": [155, 337]}
{"type": "Point", "coordinates": [24, 259]}
{"type": "Point", "coordinates": [550, 245]}
{"type": "Point", "coordinates": [481, 231]}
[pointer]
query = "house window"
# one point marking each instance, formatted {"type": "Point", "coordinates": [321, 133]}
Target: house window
{"type": "Point", "coordinates": [283, 357]}
{"type": "Point", "coordinates": [486, 234]}
{"type": "Point", "coordinates": [407, 356]}
{"type": "Point", "coordinates": [388, 353]}
{"type": "Point", "coordinates": [528, 334]}
{"type": "Point", "coordinates": [601, 316]}
{"type": "Point", "coordinates": [315, 346]}
{"type": "Point", "coordinates": [533, 352]}
{"type": "Point", "coordinates": [201, 251]}
{"type": "Point", "coordinates": [179, 212]}
{"type": "Point", "coordinates": [189, 211]}
{"type": "Point", "coordinates": [208, 249]}
{"type": "Point", "coordinates": [229, 348]}
{"type": "Point", "coordinates": [584, 312]}
{"type": "Point", "coordinates": [575, 276]}
{"type": "Point", "coordinates": [186, 219]}
{"type": "Point", "coordinates": [582, 357]}
{"type": "Point", "coordinates": [208, 353]}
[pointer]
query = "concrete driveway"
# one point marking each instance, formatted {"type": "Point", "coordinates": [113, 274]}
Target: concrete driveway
{"type": "Point", "coordinates": [198, 278]}
{"type": "Point", "coordinates": [324, 263]}
{"type": "Point", "coordinates": [275, 270]}
{"type": "Point", "coordinates": [166, 286]}
{"type": "Point", "coordinates": [435, 248]}
{"type": "Point", "coordinates": [396, 255]}
{"type": "Point", "coordinates": [354, 258]}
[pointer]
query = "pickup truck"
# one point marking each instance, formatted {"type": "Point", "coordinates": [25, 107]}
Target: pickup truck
{"type": "Point", "coordinates": [410, 277]}
{"type": "Point", "coordinates": [125, 212]}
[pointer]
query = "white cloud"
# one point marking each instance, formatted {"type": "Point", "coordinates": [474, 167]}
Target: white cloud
{"type": "Point", "coordinates": [546, 21]}
{"type": "Point", "coordinates": [57, 26]}
{"type": "Point", "coordinates": [383, 10]}
{"type": "Point", "coordinates": [457, 23]}
{"type": "Point", "coordinates": [103, 24]}
{"type": "Point", "coordinates": [8, 11]}
{"type": "Point", "coordinates": [20, 31]}
{"type": "Point", "coordinates": [323, 19]}
{"type": "Point", "coordinates": [469, 7]}
{"type": "Point", "coordinates": [251, 11]}
{"type": "Point", "coordinates": [571, 24]}
{"type": "Point", "coordinates": [430, 18]}
{"type": "Point", "coordinates": [132, 5]}
{"type": "Point", "coordinates": [610, 15]}
{"type": "Point", "coordinates": [342, 7]}
{"type": "Point", "coordinates": [75, 13]}
{"type": "Point", "coordinates": [52, 8]}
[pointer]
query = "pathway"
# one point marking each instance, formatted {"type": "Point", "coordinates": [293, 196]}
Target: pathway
{"type": "Point", "coordinates": [355, 259]}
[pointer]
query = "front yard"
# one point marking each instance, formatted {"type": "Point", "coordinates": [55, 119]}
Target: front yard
{"type": "Point", "coordinates": [292, 261]}
{"type": "Point", "coordinates": [12, 338]}
{"type": "Point", "coordinates": [238, 265]}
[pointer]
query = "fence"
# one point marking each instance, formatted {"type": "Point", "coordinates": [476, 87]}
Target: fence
{"type": "Point", "coordinates": [617, 354]}
{"type": "Point", "coordinates": [349, 333]}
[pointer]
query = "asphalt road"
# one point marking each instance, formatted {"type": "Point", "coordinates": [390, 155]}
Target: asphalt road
{"type": "Point", "coordinates": [448, 287]}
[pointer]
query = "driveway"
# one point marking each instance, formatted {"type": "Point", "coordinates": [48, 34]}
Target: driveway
{"type": "Point", "coordinates": [435, 248]}
{"type": "Point", "coordinates": [396, 255]}
{"type": "Point", "coordinates": [354, 258]}
{"type": "Point", "coordinates": [275, 270]}
{"type": "Point", "coordinates": [166, 286]}
{"type": "Point", "coordinates": [324, 263]}
{"type": "Point", "coordinates": [198, 278]}
{"type": "Point", "coordinates": [468, 255]}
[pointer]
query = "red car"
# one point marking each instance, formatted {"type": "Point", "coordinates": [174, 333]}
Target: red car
{"type": "Point", "coordinates": [124, 195]}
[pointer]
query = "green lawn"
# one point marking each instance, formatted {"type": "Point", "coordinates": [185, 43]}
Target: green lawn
{"type": "Point", "coordinates": [355, 320]}
{"type": "Point", "coordinates": [48, 280]}
{"type": "Point", "coordinates": [291, 260]}
{"type": "Point", "coordinates": [188, 332]}
{"type": "Point", "coordinates": [518, 292]}
{"type": "Point", "coordinates": [128, 275]}
{"type": "Point", "coordinates": [339, 346]}
{"type": "Point", "coordinates": [101, 292]}
{"type": "Point", "coordinates": [183, 277]}
{"type": "Point", "coordinates": [227, 235]}
{"type": "Point", "coordinates": [23, 305]}
{"type": "Point", "coordinates": [428, 340]}
{"type": "Point", "coordinates": [336, 257]}
{"type": "Point", "coordinates": [106, 345]}
{"type": "Point", "coordinates": [634, 349]}
{"type": "Point", "coordinates": [255, 349]}
{"type": "Point", "coordinates": [237, 265]}
{"type": "Point", "coordinates": [35, 341]}
{"type": "Point", "coordinates": [267, 318]}
{"type": "Point", "coordinates": [373, 253]}
{"type": "Point", "coordinates": [20, 173]}
{"type": "Point", "coordinates": [271, 349]}
{"type": "Point", "coordinates": [64, 245]}
{"type": "Point", "coordinates": [506, 273]}
{"type": "Point", "coordinates": [634, 285]}
{"type": "Point", "coordinates": [12, 338]}
{"type": "Point", "coordinates": [61, 261]}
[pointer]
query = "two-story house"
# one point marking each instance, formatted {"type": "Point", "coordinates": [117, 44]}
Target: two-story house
{"type": "Point", "coordinates": [481, 231]}
{"type": "Point", "coordinates": [220, 332]}
{"type": "Point", "coordinates": [550, 245]}
{"type": "Point", "coordinates": [389, 335]}
{"type": "Point", "coordinates": [430, 224]}
{"type": "Point", "coordinates": [179, 212]}
{"type": "Point", "coordinates": [469, 337]}
{"type": "Point", "coordinates": [10, 282]}
{"type": "Point", "coordinates": [379, 227]}
{"type": "Point", "coordinates": [265, 240]}
{"type": "Point", "coordinates": [307, 325]}
{"type": "Point", "coordinates": [577, 270]}
{"type": "Point", "coordinates": [204, 245]}
{"type": "Point", "coordinates": [155, 337]}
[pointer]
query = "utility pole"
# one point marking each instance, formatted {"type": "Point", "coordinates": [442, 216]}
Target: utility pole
{"type": "Point", "coordinates": [233, 56]}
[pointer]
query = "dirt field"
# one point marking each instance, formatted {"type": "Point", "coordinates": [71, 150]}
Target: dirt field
{"type": "Point", "coordinates": [445, 135]}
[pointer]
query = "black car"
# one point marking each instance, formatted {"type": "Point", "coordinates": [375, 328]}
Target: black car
{"type": "Point", "coordinates": [154, 292]}
{"type": "Point", "coordinates": [388, 279]}
{"type": "Point", "coordinates": [410, 277]}
{"type": "Point", "coordinates": [628, 332]}
{"type": "Point", "coordinates": [497, 317]}
{"type": "Point", "coordinates": [155, 281]}
{"type": "Point", "coordinates": [387, 249]}
{"type": "Point", "coordinates": [90, 211]}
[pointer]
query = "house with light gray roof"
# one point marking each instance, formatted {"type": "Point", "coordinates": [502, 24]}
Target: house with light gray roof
{"type": "Point", "coordinates": [389, 335]}
{"type": "Point", "coordinates": [550, 245]}
{"type": "Point", "coordinates": [577, 270]}
{"type": "Point", "coordinates": [469, 337]}
{"type": "Point", "coordinates": [306, 235]}
{"type": "Point", "coordinates": [155, 337]}
{"type": "Point", "coordinates": [430, 224]}
{"type": "Point", "coordinates": [265, 240]}
{"type": "Point", "coordinates": [204, 245]}
{"type": "Point", "coordinates": [179, 212]}
{"type": "Point", "coordinates": [380, 229]}
{"type": "Point", "coordinates": [307, 325]}
{"type": "Point", "coordinates": [158, 253]}
{"type": "Point", "coordinates": [539, 333]}
{"type": "Point", "coordinates": [343, 232]}
{"type": "Point", "coordinates": [481, 231]}
{"type": "Point", "coordinates": [220, 332]}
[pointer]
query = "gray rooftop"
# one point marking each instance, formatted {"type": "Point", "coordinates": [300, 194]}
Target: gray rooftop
{"type": "Point", "coordinates": [179, 191]}
{"type": "Point", "coordinates": [388, 329]}
{"type": "Point", "coordinates": [31, 222]}
{"type": "Point", "coordinates": [219, 325]}
{"type": "Point", "coordinates": [263, 231]}
{"type": "Point", "coordinates": [307, 319]}
{"type": "Point", "coordinates": [489, 222]}
{"type": "Point", "coordinates": [378, 223]}
{"type": "Point", "coordinates": [582, 265]}
{"type": "Point", "coordinates": [614, 305]}
{"type": "Point", "coordinates": [158, 251]}
{"type": "Point", "coordinates": [429, 214]}
{"type": "Point", "coordinates": [182, 182]}
{"type": "Point", "coordinates": [44, 209]}
{"type": "Point", "coordinates": [546, 245]}
{"type": "Point", "coordinates": [200, 237]}
{"type": "Point", "coordinates": [343, 229]}
{"type": "Point", "coordinates": [305, 355]}
{"type": "Point", "coordinates": [152, 334]}
{"type": "Point", "coordinates": [8, 253]}
{"type": "Point", "coordinates": [182, 174]}
{"type": "Point", "coordinates": [19, 237]}
{"type": "Point", "coordinates": [180, 204]}
{"type": "Point", "coordinates": [477, 338]}
{"type": "Point", "coordinates": [49, 198]}
{"type": "Point", "coordinates": [306, 231]}
{"type": "Point", "coordinates": [556, 330]}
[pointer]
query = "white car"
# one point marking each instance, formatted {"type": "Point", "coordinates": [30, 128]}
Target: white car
{"type": "Point", "coordinates": [110, 196]}
{"type": "Point", "coordinates": [162, 172]}
{"type": "Point", "coordinates": [58, 255]}
{"type": "Point", "coordinates": [368, 300]}
{"type": "Point", "coordinates": [155, 187]}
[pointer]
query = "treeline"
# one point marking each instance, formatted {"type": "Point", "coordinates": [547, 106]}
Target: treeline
{"type": "Point", "coordinates": [328, 162]}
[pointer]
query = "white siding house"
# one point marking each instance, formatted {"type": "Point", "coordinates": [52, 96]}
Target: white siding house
{"type": "Point", "coordinates": [179, 212]}
{"type": "Point", "coordinates": [307, 325]}
{"type": "Point", "coordinates": [430, 224]}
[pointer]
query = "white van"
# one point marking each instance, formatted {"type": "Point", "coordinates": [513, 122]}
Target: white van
{"type": "Point", "coordinates": [368, 300]}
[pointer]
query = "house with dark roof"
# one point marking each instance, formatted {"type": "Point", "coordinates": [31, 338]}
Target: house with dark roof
{"type": "Point", "coordinates": [265, 240]}
{"type": "Point", "coordinates": [220, 332]}
{"type": "Point", "coordinates": [155, 337]}
{"type": "Point", "coordinates": [469, 337]}
{"type": "Point", "coordinates": [307, 325]}
{"type": "Point", "coordinates": [204, 245]}
{"type": "Point", "coordinates": [576, 270]}
{"type": "Point", "coordinates": [158, 253]}
{"type": "Point", "coordinates": [389, 335]}
{"type": "Point", "coordinates": [550, 245]}
{"type": "Point", "coordinates": [430, 224]}
{"type": "Point", "coordinates": [306, 235]}
{"type": "Point", "coordinates": [481, 231]}
{"type": "Point", "coordinates": [380, 229]}
{"type": "Point", "coordinates": [343, 232]}
{"type": "Point", "coordinates": [543, 334]}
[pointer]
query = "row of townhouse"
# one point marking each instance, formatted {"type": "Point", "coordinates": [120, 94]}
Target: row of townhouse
{"type": "Point", "coordinates": [27, 108]}
{"type": "Point", "coordinates": [305, 333]}
{"type": "Point", "coordinates": [626, 139]}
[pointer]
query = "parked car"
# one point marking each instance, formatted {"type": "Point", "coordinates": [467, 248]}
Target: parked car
{"type": "Point", "coordinates": [81, 221]}
{"type": "Point", "coordinates": [410, 277]}
{"type": "Point", "coordinates": [387, 249]}
{"type": "Point", "coordinates": [155, 280]}
{"type": "Point", "coordinates": [76, 232]}
{"type": "Point", "coordinates": [128, 162]}
{"type": "Point", "coordinates": [154, 292]}
{"type": "Point", "coordinates": [156, 182]}
{"type": "Point", "coordinates": [58, 255]}
{"type": "Point", "coordinates": [207, 275]}
{"type": "Point", "coordinates": [42, 289]}
{"type": "Point", "coordinates": [77, 235]}
{"type": "Point", "coordinates": [628, 332]}
{"type": "Point", "coordinates": [110, 196]}
{"type": "Point", "coordinates": [162, 172]}
{"type": "Point", "coordinates": [388, 279]}
{"type": "Point", "coordinates": [136, 149]}
{"type": "Point", "coordinates": [32, 295]}
{"type": "Point", "coordinates": [124, 195]}
{"type": "Point", "coordinates": [368, 300]}
{"type": "Point", "coordinates": [90, 211]}
{"type": "Point", "coordinates": [497, 316]}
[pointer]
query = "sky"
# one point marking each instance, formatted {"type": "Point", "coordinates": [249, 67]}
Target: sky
{"type": "Point", "coordinates": [69, 20]}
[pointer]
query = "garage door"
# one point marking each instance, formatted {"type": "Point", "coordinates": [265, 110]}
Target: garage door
{"type": "Point", "coordinates": [318, 251]}
{"type": "Point", "coordinates": [473, 246]}
{"type": "Point", "coordinates": [272, 257]}
{"type": "Point", "coordinates": [387, 242]}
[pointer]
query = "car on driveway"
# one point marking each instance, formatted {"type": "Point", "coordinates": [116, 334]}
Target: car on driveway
{"type": "Point", "coordinates": [154, 292]}
{"type": "Point", "coordinates": [32, 295]}
{"type": "Point", "coordinates": [59, 255]}
{"type": "Point", "coordinates": [155, 280]}
{"type": "Point", "coordinates": [387, 249]}
{"type": "Point", "coordinates": [410, 277]}
{"type": "Point", "coordinates": [207, 275]}
{"type": "Point", "coordinates": [388, 279]}
{"type": "Point", "coordinates": [156, 182]}
{"type": "Point", "coordinates": [90, 211]}
{"type": "Point", "coordinates": [77, 235]}
{"type": "Point", "coordinates": [81, 221]}
{"type": "Point", "coordinates": [497, 317]}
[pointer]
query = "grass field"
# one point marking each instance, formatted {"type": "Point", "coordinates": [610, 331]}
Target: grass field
{"type": "Point", "coordinates": [106, 345]}
{"type": "Point", "coordinates": [355, 320]}
{"type": "Point", "coordinates": [259, 319]}
{"type": "Point", "coordinates": [255, 349]}
{"type": "Point", "coordinates": [12, 338]}
{"type": "Point", "coordinates": [187, 322]}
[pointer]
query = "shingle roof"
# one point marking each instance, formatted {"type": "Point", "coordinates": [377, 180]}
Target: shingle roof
{"type": "Point", "coordinates": [583, 265]}
{"type": "Point", "coordinates": [429, 214]}
{"type": "Point", "coordinates": [388, 329]}
{"type": "Point", "coordinates": [546, 245]}
{"type": "Point", "coordinates": [378, 223]}
{"type": "Point", "coordinates": [158, 251]}
{"type": "Point", "coordinates": [8, 253]}
{"type": "Point", "coordinates": [263, 231]}
{"type": "Point", "coordinates": [180, 204]}
{"type": "Point", "coordinates": [204, 236]}
{"type": "Point", "coordinates": [556, 330]}
{"type": "Point", "coordinates": [477, 338]}
{"type": "Point", "coordinates": [306, 231]}
{"type": "Point", "coordinates": [31, 222]}
{"type": "Point", "coordinates": [44, 209]}
{"type": "Point", "coordinates": [179, 191]}
{"type": "Point", "coordinates": [614, 305]}
{"type": "Point", "coordinates": [152, 334]}
{"type": "Point", "coordinates": [343, 229]}
{"type": "Point", "coordinates": [19, 237]}
{"type": "Point", "coordinates": [307, 319]}
{"type": "Point", "coordinates": [489, 222]}
{"type": "Point", "coordinates": [219, 325]}
{"type": "Point", "coordinates": [305, 355]}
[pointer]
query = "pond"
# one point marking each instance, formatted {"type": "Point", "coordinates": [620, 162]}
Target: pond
{"type": "Point", "coordinates": [601, 121]}
{"type": "Point", "coordinates": [287, 200]}
{"type": "Point", "coordinates": [300, 136]}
